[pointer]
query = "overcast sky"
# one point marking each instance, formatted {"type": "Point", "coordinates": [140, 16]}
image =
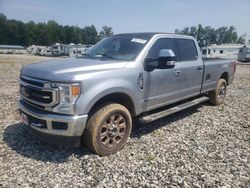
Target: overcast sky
{"type": "Point", "coordinates": [133, 15]}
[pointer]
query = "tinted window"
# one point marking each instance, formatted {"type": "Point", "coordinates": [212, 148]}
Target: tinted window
{"type": "Point", "coordinates": [163, 43]}
{"type": "Point", "coordinates": [187, 49]}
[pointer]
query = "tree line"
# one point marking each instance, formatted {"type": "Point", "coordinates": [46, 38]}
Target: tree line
{"type": "Point", "coordinates": [14, 32]}
{"type": "Point", "coordinates": [208, 35]}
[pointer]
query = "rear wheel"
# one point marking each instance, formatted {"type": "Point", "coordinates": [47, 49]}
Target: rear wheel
{"type": "Point", "coordinates": [217, 96]}
{"type": "Point", "coordinates": [108, 130]}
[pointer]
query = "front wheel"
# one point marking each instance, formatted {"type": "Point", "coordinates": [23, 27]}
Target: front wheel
{"type": "Point", "coordinates": [108, 130]}
{"type": "Point", "coordinates": [218, 95]}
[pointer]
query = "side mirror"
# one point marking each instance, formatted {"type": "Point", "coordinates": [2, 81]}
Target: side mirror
{"type": "Point", "coordinates": [166, 59]}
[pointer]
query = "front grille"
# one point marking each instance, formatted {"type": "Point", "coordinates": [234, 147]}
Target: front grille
{"type": "Point", "coordinates": [38, 93]}
{"type": "Point", "coordinates": [32, 82]}
{"type": "Point", "coordinates": [34, 105]}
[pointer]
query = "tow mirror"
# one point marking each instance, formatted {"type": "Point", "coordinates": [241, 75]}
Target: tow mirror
{"type": "Point", "coordinates": [166, 59]}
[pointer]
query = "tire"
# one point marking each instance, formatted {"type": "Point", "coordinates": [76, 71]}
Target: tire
{"type": "Point", "coordinates": [108, 130]}
{"type": "Point", "coordinates": [217, 96]}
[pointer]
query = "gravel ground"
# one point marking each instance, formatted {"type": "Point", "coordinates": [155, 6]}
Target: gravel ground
{"type": "Point", "coordinates": [204, 146]}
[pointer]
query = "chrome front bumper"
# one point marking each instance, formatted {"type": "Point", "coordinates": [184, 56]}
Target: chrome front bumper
{"type": "Point", "coordinates": [75, 124]}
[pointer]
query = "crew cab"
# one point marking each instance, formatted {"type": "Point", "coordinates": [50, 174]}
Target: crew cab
{"type": "Point", "coordinates": [93, 99]}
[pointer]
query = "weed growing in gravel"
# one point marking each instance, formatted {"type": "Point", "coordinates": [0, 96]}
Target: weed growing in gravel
{"type": "Point", "coordinates": [149, 157]}
{"type": "Point", "coordinates": [222, 107]}
{"type": "Point", "coordinates": [156, 133]}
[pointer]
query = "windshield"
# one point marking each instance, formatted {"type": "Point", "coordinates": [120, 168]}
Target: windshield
{"type": "Point", "coordinates": [118, 47]}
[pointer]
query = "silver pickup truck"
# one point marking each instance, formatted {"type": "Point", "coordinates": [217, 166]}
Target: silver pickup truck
{"type": "Point", "coordinates": [92, 99]}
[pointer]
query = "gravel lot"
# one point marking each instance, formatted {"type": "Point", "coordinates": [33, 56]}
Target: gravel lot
{"type": "Point", "coordinates": [204, 146]}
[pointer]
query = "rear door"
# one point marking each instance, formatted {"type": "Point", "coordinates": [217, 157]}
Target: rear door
{"type": "Point", "coordinates": [188, 70]}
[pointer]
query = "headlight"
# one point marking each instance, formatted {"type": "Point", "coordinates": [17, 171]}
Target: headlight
{"type": "Point", "coordinates": [68, 94]}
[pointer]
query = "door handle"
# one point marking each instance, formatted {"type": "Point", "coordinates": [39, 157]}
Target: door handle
{"type": "Point", "coordinates": [199, 68]}
{"type": "Point", "coordinates": [177, 72]}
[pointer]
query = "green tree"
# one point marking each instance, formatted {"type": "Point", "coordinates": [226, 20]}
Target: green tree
{"type": "Point", "coordinates": [90, 35]}
{"type": "Point", "coordinates": [31, 32]}
{"type": "Point", "coordinates": [53, 32]}
{"type": "Point", "coordinates": [77, 35]}
{"type": "Point", "coordinates": [69, 34]}
{"type": "Point", "coordinates": [193, 31]}
{"type": "Point", "coordinates": [4, 29]}
{"type": "Point", "coordinates": [241, 40]}
{"type": "Point", "coordinates": [226, 35]}
{"type": "Point", "coordinates": [106, 32]}
{"type": "Point", "coordinates": [17, 32]}
{"type": "Point", "coordinates": [208, 35]}
{"type": "Point", "coordinates": [42, 35]}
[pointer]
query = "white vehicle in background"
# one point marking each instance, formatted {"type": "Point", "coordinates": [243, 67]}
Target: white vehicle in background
{"type": "Point", "coordinates": [221, 51]}
{"type": "Point", "coordinates": [41, 51]}
{"type": "Point", "coordinates": [244, 54]}
{"type": "Point", "coordinates": [60, 49]}
{"type": "Point", "coordinates": [79, 51]}
{"type": "Point", "coordinates": [48, 52]}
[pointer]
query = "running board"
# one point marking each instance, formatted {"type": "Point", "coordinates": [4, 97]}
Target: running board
{"type": "Point", "coordinates": [158, 115]}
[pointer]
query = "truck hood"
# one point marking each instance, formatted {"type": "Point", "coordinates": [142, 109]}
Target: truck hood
{"type": "Point", "coordinates": [69, 68]}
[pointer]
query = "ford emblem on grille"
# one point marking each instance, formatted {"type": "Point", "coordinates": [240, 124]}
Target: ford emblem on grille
{"type": "Point", "coordinates": [24, 91]}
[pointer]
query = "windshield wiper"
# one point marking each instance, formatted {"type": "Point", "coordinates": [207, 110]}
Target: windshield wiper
{"type": "Point", "coordinates": [105, 55]}
{"type": "Point", "coordinates": [88, 55]}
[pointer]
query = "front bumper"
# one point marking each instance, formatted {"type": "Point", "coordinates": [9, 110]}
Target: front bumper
{"type": "Point", "coordinates": [53, 124]}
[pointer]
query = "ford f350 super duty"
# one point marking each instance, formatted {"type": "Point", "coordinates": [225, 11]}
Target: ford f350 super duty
{"type": "Point", "coordinates": [92, 99]}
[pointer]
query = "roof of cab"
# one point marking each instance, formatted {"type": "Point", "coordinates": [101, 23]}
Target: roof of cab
{"type": "Point", "coordinates": [150, 34]}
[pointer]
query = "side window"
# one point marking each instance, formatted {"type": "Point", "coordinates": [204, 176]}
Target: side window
{"type": "Point", "coordinates": [187, 49]}
{"type": "Point", "coordinates": [163, 43]}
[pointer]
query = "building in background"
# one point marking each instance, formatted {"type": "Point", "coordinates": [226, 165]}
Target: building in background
{"type": "Point", "coordinates": [221, 51]}
{"type": "Point", "coordinates": [12, 49]}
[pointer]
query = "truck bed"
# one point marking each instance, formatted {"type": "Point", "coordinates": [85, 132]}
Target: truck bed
{"type": "Point", "coordinates": [214, 68]}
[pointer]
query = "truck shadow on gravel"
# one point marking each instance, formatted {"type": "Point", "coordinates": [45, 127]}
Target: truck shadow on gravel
{"type": "Point", "coordinates": [140, 129]}
{"type": "Point", "coordinates": [19, 138]}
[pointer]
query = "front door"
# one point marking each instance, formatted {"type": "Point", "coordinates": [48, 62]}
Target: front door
{"type": "Point", "coordinates": [165, 86]}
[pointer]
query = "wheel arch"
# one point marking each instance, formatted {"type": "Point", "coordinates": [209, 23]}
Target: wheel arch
{"type": "Point", "coordinates": [118, 97]}
{"type": "Point", "coordinates": [225, 76]}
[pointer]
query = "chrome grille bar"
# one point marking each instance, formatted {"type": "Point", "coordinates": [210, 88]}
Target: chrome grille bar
{"type": "Point", "coordinates": [32, 92]}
